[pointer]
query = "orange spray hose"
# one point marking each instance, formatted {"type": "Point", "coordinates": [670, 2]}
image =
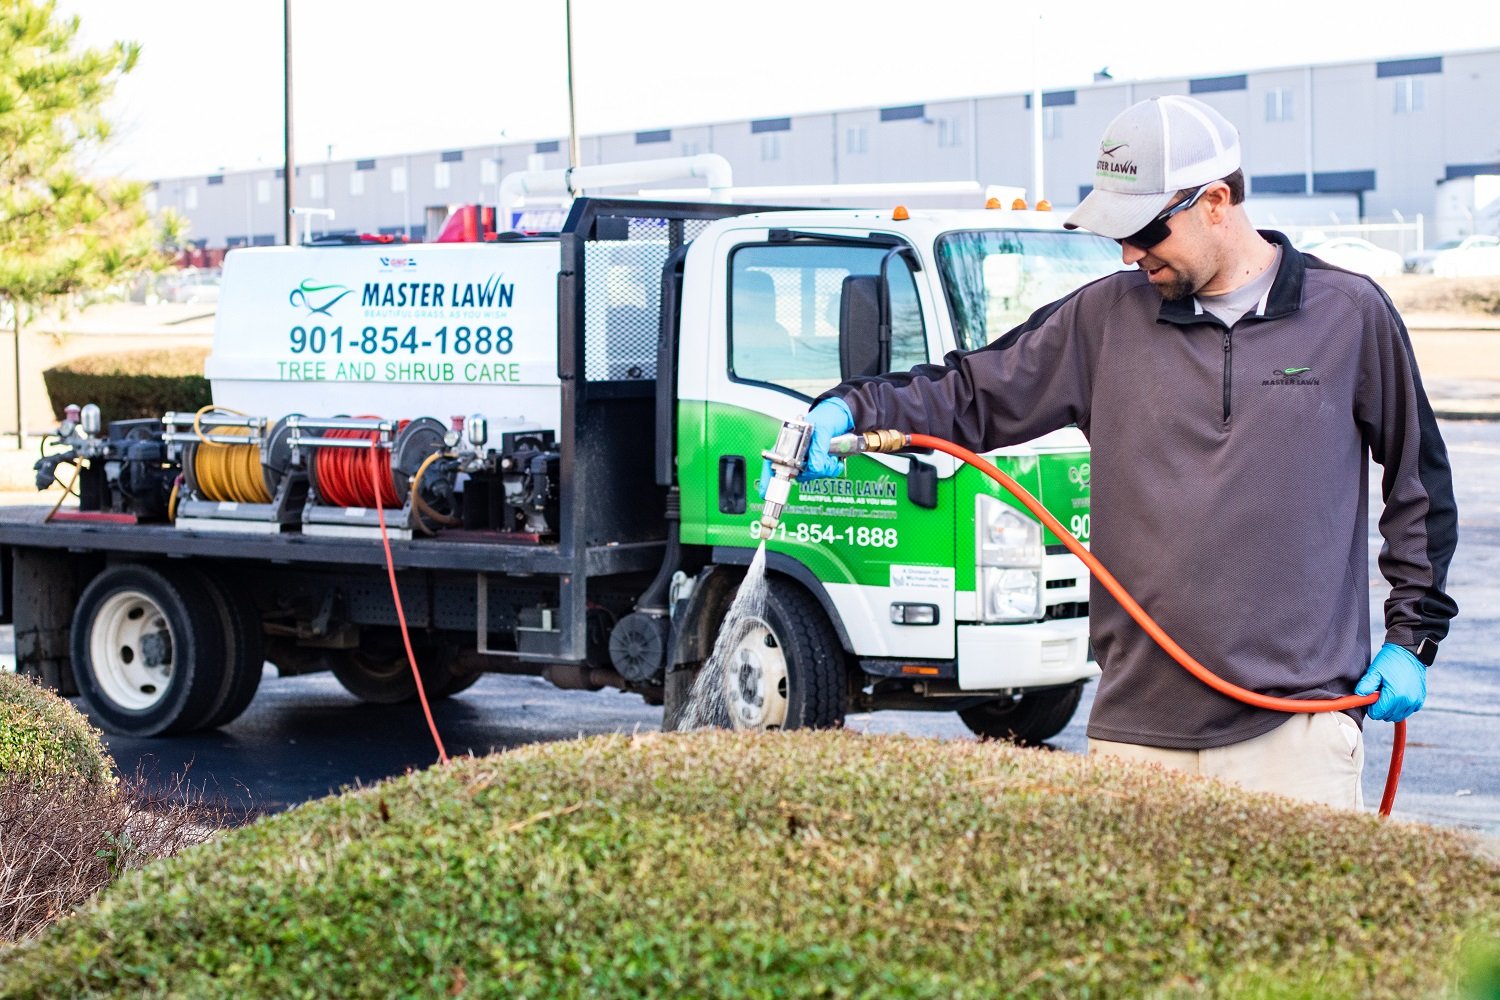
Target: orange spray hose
{"type": "Point", "coordinates": [376, 482]}
{"type": "Point", "coordinates": [1155, 631]}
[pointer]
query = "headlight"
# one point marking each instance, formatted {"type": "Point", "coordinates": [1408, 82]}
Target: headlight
{"type": "Point", "coordinates": [1007, 537]}
{"type": "Point", "coordinates": [1011, 594]}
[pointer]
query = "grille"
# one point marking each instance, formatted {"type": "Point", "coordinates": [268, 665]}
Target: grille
{"type": "Point", "coordinates": [622, 298]}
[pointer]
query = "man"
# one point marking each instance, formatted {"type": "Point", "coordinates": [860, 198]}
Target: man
{"type": "Point", "coordinates": [1232, 390]}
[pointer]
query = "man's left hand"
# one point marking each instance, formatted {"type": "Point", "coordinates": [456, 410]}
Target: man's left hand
{"type": "Point", "coordinates": [1401, 680]}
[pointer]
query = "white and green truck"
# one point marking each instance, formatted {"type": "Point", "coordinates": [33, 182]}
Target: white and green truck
{"type": "Point", "coordinates": [596, 509]}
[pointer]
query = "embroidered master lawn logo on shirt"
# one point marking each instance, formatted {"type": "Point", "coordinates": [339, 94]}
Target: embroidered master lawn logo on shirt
{"type": "Point", "coordinates": [1291, 376]}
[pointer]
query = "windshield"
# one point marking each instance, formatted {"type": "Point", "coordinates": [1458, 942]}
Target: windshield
{"type": "Point", "coordinates": [994, 279]}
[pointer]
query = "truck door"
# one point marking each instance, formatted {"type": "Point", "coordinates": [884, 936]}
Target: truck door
{"type": "Point", "coordinates": [878, 537]}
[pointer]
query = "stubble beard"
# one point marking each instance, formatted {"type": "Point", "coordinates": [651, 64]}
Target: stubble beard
{"type": "Point", "coordinates": [1180, 286]}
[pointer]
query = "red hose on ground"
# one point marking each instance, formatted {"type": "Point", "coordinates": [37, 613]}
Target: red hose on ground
{"type": "Point", "coordinates": [376, 468]}
{"type": "Point", "coordinates": [1166, 642]}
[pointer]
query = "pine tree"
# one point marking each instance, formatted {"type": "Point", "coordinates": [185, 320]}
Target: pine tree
{"type": "Point", "coordinates": [61, 232]}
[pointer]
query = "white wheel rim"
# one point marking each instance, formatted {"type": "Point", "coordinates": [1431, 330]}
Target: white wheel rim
{"type": "Point", "coordinates": [755, 678]}
{"type": "Point", "coordinates": [131, 648]}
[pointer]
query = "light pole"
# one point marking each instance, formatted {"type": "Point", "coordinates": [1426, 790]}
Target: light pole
{"type": "Point", "coordinates": [289, 169]}
{"type": "Point", "coordinates": [574, 158]}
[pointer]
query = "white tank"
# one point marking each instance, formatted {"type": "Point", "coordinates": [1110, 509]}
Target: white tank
{"type": "Point", "coordinates": [438, 330]}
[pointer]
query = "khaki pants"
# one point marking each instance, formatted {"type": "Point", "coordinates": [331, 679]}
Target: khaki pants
{"type": "Point", "coordinates": [1315, 758]}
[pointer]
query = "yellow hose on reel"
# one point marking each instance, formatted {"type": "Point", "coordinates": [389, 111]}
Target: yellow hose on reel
{"type": "Point", "coordinates": [229, 472]}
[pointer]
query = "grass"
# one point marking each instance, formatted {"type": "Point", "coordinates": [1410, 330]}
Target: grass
{"type": "Point", "coordinates": [42, 736]}
{"type": "Point", "coordinates": [793, 864]}
{"type": "Point", "coordinates": [1424, 293]}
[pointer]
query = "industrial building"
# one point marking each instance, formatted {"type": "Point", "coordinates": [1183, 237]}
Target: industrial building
{"type": "Point", "coordinates": [1380, 141]}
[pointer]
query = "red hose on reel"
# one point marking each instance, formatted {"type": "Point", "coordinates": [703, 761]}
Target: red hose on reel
{"type": "Point", "coordinates": [356, 477]}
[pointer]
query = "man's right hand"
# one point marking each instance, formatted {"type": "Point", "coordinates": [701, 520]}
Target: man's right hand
{"type": "Point", "coordinates": [829, 419]}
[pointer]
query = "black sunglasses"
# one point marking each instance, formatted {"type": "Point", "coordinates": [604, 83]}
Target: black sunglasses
{"type": "Point", "coordinates": [1157, 230]}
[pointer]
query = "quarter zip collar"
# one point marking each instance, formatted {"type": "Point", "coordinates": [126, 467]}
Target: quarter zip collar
{"type": "Point", "coordinates": [1285, 297]}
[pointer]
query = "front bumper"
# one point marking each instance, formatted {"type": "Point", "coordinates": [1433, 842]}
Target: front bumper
{"type": "Point", "coordinates": [1035, 654]}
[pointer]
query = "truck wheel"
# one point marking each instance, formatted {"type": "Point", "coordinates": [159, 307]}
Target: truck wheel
{"type": "Point", "coordinates": [1026, 720]}
{"type": "Point", "coordinates": [786, 669]}
{"type": "Point", "coordinates": [377, 672]}
{"type": "Point", "coordinates": [147, 652]}
{"type": "Point", "coordinates": [244, 651]}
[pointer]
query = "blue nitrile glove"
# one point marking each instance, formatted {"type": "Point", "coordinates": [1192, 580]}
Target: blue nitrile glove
{"type": "Point", "coordinates": [829, 419]}
{"type": "Point", "coordinates": [1401, 680]}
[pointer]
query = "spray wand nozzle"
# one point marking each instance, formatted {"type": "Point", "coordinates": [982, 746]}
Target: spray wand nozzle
{"type": "Point", "coordinates": [788, 457]}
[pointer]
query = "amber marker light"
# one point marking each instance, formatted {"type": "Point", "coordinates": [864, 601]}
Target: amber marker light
{"type": "Point", "coordinates": [1019, 205]}
{"type": "Point", "coordinates": [900, 214]}
{"type": "Point", "coordinates": [1044, 205]}
{"type": "Point", "coordinates": [992, 203]}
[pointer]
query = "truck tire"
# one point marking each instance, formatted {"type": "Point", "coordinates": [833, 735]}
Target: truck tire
{"type": "Point", "coordinates": [1027, 720]}
{"type": "Point", "coordinates": [378, 673]}
{"type": "Point", "coordinates": [785, 670]}
{"type": "Point", "coordinates": [244, 651]}
{"type": "Point", "coordinates": [147, 651]}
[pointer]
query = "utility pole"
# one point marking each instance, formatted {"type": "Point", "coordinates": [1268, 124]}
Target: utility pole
{"type": "Point", "coordinates": [289, 169]}
{"type": "Point", "coordinates": [574, 158]}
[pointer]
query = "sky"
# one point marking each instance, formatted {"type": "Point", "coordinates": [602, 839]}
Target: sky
{"type": "Point", "coordinates": [375, 77]}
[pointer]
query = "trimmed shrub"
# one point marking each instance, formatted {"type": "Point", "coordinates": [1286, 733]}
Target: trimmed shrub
{"type": "Point", "coordinates": [790, 864]}
{"type": "Point", "coordinates": [43, 736]}
{"type": "Point", "coordinates": [134, 384]}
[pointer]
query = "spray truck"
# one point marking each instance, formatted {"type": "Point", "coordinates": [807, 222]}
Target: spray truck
{"type": "Point", "coordinates": [549, 444]}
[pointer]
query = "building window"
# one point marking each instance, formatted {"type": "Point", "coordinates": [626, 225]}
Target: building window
{"type": "Point", "coordinates": [357, 183]}
{"type": "Point", "coordinates": [1052, 126]}
{"type": "Point", "coordinates": [398, 180]}
{"type": "Point", "coordinates": [857, 140]}
{"type": "Point", "coordinates": [656, 135]}
{"type": "Point", "coordinates": [262, 192]}
{"type": "Point", "coordinates": [151, 201]}
{"type": "Point", "coordinates": [453, 156]}
{"type": "Point", "coordinates": [315, 185]}
{"type": "Point", "coordinates": [442, 176]}
{"type": "Point", "coordinates": [1409, 95]}
{"type": "Point", "coordinates": [190, 198]}
{"type": "Point", "coordinates": [1279, 104]}
{"type": "Point", "coordinates": [489, 171]}
{"type": "Point", "coordinates": [770, 147]}
{"type": "Point", "coordinates": [692, 148]}
{"type": "Point", "coordinates": [950, 133]}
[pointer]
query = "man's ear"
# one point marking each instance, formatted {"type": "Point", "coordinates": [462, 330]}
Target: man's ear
{"type": "Point", "coordinates": [1219, 203]}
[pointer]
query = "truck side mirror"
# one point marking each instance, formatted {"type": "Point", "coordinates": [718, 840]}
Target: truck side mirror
{"type": "Point", "coordinates": [859, 327]}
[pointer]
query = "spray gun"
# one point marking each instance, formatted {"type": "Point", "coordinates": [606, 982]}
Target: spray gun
{"type": "Point", "coordinates": [788, 457]}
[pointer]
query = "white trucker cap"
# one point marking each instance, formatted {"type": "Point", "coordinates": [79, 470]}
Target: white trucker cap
{"type": "Point", "coordinates": [1149, 152]}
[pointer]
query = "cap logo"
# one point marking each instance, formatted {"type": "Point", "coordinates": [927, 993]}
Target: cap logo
{"type": "Point", "coordinates": [1111, 165]}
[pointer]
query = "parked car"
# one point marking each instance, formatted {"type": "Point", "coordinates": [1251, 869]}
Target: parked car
{"type": "Point", "coordinates": [1354, 254]}
{"type": "Point", "coordinates": [1474, 256]}
{"type": "Point", "coordinates": [188, 284]}
{"type": "Point", "coordinates": [1421, 261]}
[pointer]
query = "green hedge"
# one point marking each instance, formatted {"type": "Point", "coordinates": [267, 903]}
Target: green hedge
{"type": "Point", "coordinates": [785, 865]}
{"type": "Point", "coordinates": [43, 736]}
{"type": "Point", "coordinates": [133, 384]}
